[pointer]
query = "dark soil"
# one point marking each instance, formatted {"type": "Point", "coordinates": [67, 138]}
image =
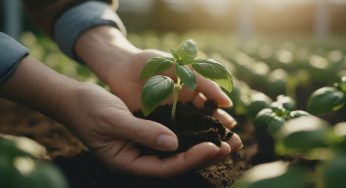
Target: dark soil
{"type": "Point", "coordinates": [191, 125]}
{"type": "Point", "coordinates": [84, 170]}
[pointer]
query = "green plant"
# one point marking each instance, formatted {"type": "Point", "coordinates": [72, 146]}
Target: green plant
{"type": "Point", "coordinates": [258, 101]}
{"type": "Point", "coordinates": [273, 175]}
{"type": "Point", "coordinates": [316, 139]}
{"type": "Point", "coordinates": [159, 87]}
{"type": "Point", "coordinates": [328, 99]}
{"type": "Point", "coordinates": [273, 118]}
{"type": "Point", "coordinates": [305, 137]}
{"type": "Point", "coordinates": [21, 165]}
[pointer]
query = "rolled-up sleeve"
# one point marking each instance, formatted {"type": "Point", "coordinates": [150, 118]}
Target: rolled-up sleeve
{"type": "Point", "coordinates": [11, 53]}
{"type": "Point", "coordinates": [72, 23]}
{"type": "Point", "coordinates": [66, 20]}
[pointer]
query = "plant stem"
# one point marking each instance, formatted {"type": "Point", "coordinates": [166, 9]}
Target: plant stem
{"type": "Point", "coordinates": [176, 90]}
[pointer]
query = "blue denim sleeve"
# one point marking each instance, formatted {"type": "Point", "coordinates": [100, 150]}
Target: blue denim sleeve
{"type": "Point", "coordinates": [72, 23]}
{"type": "Point", "coordinates": [11, 52]}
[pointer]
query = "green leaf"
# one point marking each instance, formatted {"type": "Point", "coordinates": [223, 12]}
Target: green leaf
{"type": "Point", "coordinates": [277, 80]}
{"type": "Point", "coordinates": [302, 134]}
{"type": "Point", "coordinates": [342, 84]}
{"type": "Point", "coordinates": [155, 90]}
{"type": "Point", "coordinates": [287, 102]}
{"type": "Point", "coordinates": [187, 51]}
{"type": "Point", "coordinates": [268, 120]}
{"type": "Point", "coordinates": [273, 175]}
{"type": "Point", "coordinates": [186, 76]}
{"type": "Point", "coordinates": [155, 66]}
{"type": "Point", "coordinates": [339, 131]}
{"type": "Point", "coordinates": [175, 54]}
{"type": "Point", "coordinates": [20, 166]}
{"type": "Point", "coordinates": [215, 71]}
{"type": "Point", "coordinates": [297, 113]}
{"type": "Point", "coordinates": [258, 101]}
{"type": "Point", "coordinates": [334, 171]}
{"type": "Point", "coordinates": [326, 99]}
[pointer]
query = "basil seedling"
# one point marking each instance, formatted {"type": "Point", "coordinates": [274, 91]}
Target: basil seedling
{"type": "Point", "coordinates": [158, 87]}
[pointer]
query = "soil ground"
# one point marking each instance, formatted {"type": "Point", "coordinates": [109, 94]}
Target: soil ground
{"type": "Point", "coordinates": [84, 170]}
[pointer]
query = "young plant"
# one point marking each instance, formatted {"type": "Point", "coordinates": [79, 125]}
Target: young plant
{"type": "Point", "coordinates": [271, 119]}
{"type": "Point", "coordinates": [328, 99]}
{"type": "Point", "coordinates": [184, 62]}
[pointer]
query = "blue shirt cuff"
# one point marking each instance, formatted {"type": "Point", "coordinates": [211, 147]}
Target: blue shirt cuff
{"type": "Point", "coordinates": [75, 21]}
{"type": "Point", "coordinates": [11, 53]}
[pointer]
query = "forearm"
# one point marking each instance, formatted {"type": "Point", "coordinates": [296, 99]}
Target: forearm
{"type": "Point", "coordinates": [102, 47]}
{"type": "Point", "coordinates": [41, 88]}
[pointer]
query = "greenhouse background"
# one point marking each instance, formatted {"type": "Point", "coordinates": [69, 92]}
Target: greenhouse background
{"type": "Point", "coordinates": [248, 18]}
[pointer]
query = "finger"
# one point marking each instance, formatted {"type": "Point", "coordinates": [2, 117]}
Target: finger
{"type": "Point", "coordinates": [199, 100]}
{"type": "Point", "coordinates": [225, 150]}
{"type": "Point", "coordinates": [147, 133]}
{"type": "Point", "coordinates": [225, 118]}
{"type": "Point", "coordinates": [196, 156]}
{"type": "Point", "coordinates": [213, 92]}
{"type": "Point", "coordinates": [235, 142]}
{"type": "Point", "coordinates": [219, 114]}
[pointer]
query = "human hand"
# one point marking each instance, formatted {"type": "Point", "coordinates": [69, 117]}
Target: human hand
{"type": "Point", "coordinates": [108, 127]}
{"type": "Point", "coordinates": [124, 79]}
{"type": "Point", "coordinates": [119, 64]}
{"type": "Point", "coordinates": [103, 122]}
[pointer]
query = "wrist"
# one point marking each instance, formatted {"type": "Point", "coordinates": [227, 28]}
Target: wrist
{"type": "Point", "coordinates": [102, 48]}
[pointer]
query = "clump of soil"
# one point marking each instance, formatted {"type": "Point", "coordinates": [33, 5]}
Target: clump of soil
{"type": "Point", "coordinates": [191, 125]}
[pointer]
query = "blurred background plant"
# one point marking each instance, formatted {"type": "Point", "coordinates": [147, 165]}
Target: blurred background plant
{"type": "Point", "coordinates": [23, 164]}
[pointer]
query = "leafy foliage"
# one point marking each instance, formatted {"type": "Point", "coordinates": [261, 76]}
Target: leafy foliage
{"type": "Point", "coordinates": [326, 99]}
{"type": "Point", "coordinates": [21, 165]}
{"type": "Point", "coordinates": [302, 135]}
{"type": "Point", "coordinates": [155, 66]}
{"type": "Point", "coordinates": [273, 175]}
{"type": "Point", "coordinates": [274, 117]}
{"type": "Point", "coordinates": [215, 71]}
{"type": "Point", "coordinates": [158, 88]}
{"type": "Point", "coordinates": [155, 90]}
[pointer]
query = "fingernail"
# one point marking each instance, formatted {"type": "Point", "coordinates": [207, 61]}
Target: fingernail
{"type": "Point", "coordinates": [228, 103]}
{"type": "Point", "coordinates": [235, 142]}
{"type": "Point", "coordinates": [231, 121]}
{"type": "Point", "coordinates": [167, 143]}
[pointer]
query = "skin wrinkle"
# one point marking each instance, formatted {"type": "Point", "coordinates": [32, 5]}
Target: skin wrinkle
{"type": "Point", "coordinates": [119, 157]}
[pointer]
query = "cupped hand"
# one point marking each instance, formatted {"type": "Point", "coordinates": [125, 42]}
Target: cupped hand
{"type": "Point", "coordinates": [107, 126]}
{"type": "Point", "coordinates": [118, 63]}
{"type": "Point", "coordinates": [124, 80]}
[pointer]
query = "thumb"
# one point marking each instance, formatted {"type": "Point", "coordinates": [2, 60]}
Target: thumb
{"type": "Point", "coordinates": [149, 133]}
